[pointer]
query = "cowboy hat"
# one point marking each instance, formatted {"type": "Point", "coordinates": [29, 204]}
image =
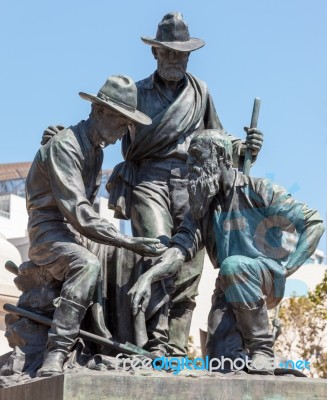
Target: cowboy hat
{"type": "Point", "coordinates": [173, 34]}
{"type": "Point", "coordinates": [119, 93]}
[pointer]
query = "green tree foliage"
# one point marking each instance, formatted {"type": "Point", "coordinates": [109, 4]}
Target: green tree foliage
{"type": "Point", "coordinates": [304, 329]}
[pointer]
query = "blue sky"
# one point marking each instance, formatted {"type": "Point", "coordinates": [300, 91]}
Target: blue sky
{"type": "Point", "coordinates": [274, 49]}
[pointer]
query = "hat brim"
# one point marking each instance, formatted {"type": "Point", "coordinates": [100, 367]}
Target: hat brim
{"type": "Point", "coordinates": [136, 115]}
{"type": "Point", "coordinates": [189, 45]}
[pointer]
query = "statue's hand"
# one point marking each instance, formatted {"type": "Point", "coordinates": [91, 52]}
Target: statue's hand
{"type": "Point", "coordinates": [141, 293]}
{"type": "Point", "coordinates": [165, 266]}
{"type": "Point", "coordinates": [144, 246]}
{"type": "Point", "coordinates": [50, 132]}
{"type": "Point", "coordinates": [254, 139]}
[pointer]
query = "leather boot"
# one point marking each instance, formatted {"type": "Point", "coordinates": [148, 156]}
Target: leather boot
{"type": "Point", "coordinates": [65, 325]}
{"type": "Point", "coordinates": [179, 330]}
{"type": "Point", "coordinates": [53, 363]}
{"type": "Point", "coordinates": [61, 336]}
{"type": "Point", "coordinates": [254, 325]}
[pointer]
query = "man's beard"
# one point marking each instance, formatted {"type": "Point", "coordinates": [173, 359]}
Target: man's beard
{"type": "Point", "coordinates": [202, 190]}
{"type": "Point", "coordinates": [172, 73]}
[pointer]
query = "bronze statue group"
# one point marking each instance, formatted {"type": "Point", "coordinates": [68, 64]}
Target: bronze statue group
{"type": "Point", "coordinates": [183, 189]}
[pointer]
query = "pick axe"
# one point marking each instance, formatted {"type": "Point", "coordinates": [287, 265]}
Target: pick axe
{"type": "Point", "coordinates": [127, 347]}
{"type": "Point", "coordinates": [254, 123]}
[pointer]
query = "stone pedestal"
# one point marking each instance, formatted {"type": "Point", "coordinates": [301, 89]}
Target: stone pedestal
{"type": "Point", "coordinates": [94, 385]}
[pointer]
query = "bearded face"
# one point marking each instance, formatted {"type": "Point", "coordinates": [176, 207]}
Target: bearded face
{"type": "Point", "coordinates": [203, 186]}
{"type": "Point", "coordinates": [171, 65]}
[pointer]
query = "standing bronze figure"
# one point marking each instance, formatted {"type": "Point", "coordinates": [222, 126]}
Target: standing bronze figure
{"type": "Point", "coordinates": [150, 187]}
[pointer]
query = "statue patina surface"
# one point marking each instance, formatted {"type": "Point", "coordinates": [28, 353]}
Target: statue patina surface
{"type": "Point", "coordinates": [150, 187]}
{"type": "Point", "coordinates": [239, 221]}
{"type": "Point", "coordinates": [177, 184]}
{"type": "Point", "coordinates": [62, 274]}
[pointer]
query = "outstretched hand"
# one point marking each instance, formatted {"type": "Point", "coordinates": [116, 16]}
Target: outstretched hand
{"type": "Point", "coordinates": [50, 132]}
{"type": "Point", "coordinates": [165, 266]}
{"type": "Point", "coordinates": [141, 293]}
{"type": "Point", "coordinates": [144, 246]}
{"type": "Point", "coordinates": [254, 139]}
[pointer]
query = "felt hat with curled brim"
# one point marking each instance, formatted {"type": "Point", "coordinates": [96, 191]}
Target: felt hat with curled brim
{"type": "Point", "coordinates": [173, 34]}
{"type": "Point", "coordinates": [120, 94]}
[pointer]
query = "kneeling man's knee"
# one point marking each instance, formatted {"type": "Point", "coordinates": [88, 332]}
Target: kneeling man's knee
{"type": "Point", "coordinates": [233, 265]}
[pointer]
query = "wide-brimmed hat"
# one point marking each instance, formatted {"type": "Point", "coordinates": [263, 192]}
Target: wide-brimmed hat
{"type": "Point", "coordinates": [119, 93]}
{"type": "Point", "coordinates": [173, 34]}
